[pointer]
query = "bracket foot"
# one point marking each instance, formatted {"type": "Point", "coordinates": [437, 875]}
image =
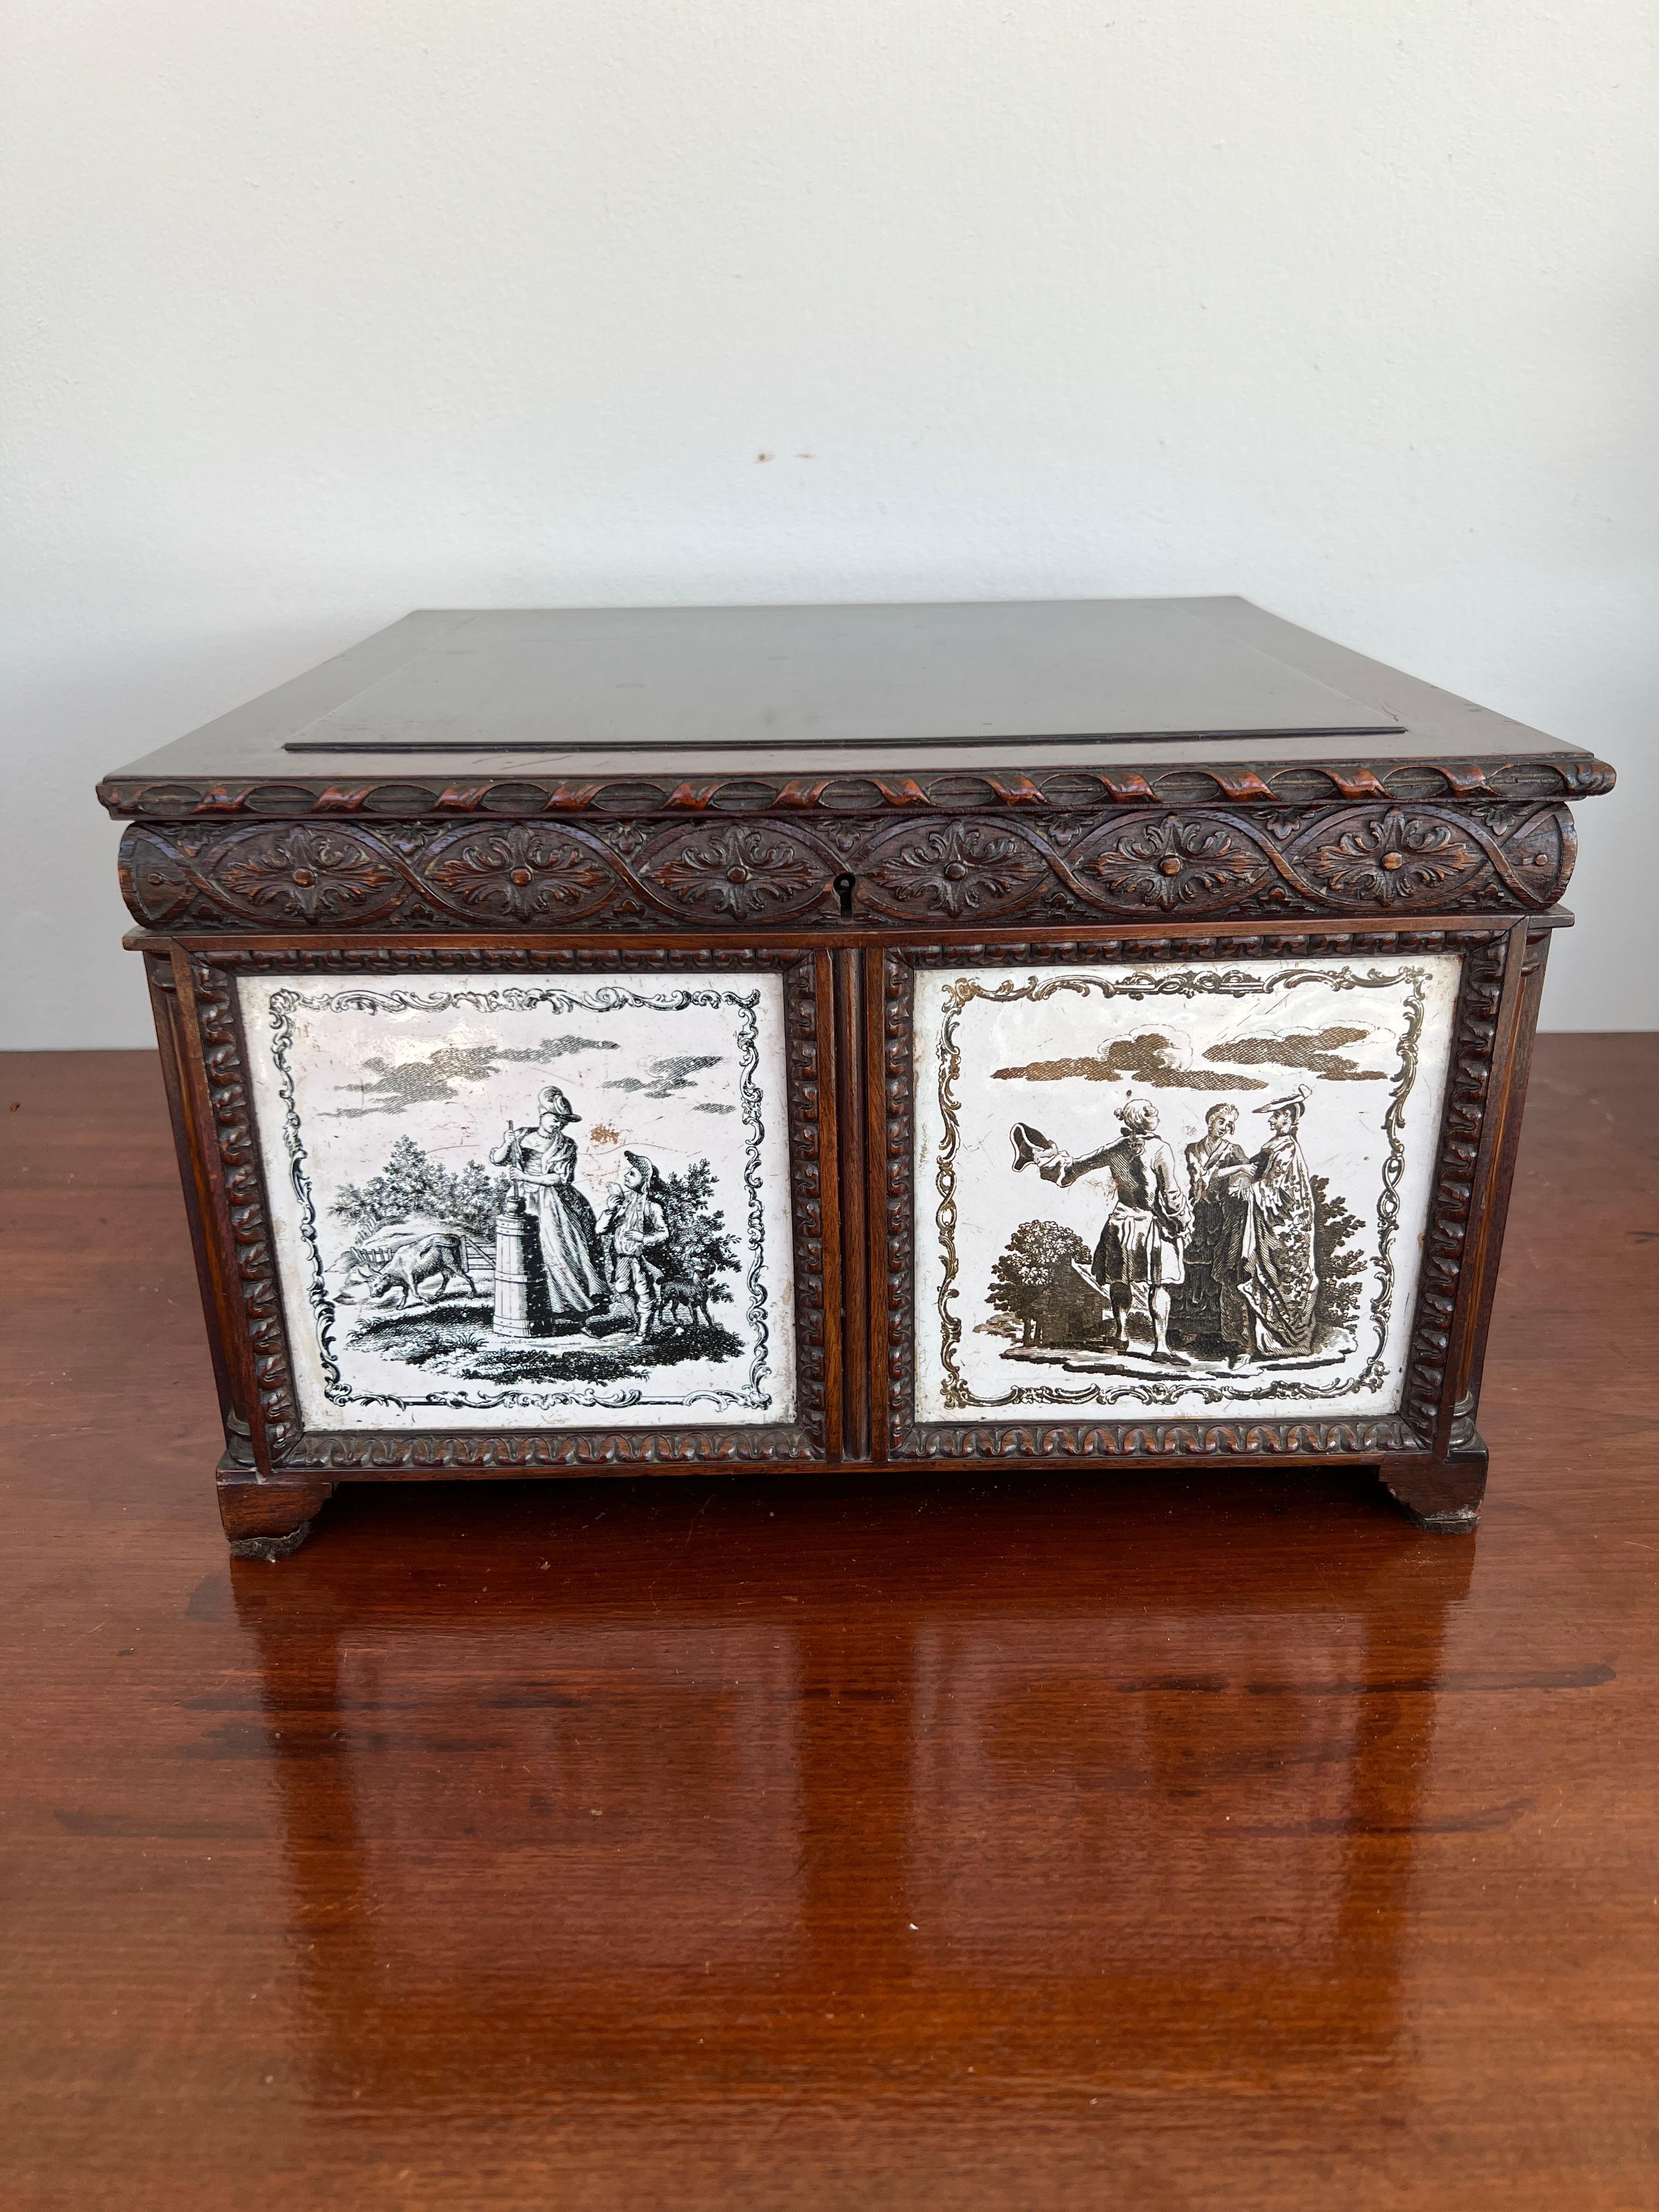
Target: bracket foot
{"type": "Point", "coordinates": [1441, 1494]}
{"type": "Point", "coordinates": [268, 1520]}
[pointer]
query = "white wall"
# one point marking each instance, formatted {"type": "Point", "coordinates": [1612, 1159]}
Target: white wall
{"type": "Point", "coordinates": [323, 309]}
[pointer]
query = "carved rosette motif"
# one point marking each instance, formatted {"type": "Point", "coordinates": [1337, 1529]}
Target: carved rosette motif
{"type": "Point", "coordinates": [1180, 865]}
{"type": "Point", "coordinates": [740, 873]}
{"type": "Point", "coordinates": [1121, 864]}
{"type": "Point", "coordinates": [522, 872]}
{"type": "Point", "coordinates": [958, 871]}
{"type": "Point", "coordinates": [308, 875]}
{"type": "Point", "coordinates": [1391, 859]}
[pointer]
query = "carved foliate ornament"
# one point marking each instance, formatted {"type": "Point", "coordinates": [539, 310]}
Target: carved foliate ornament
{"type": "Point", "coordinates": [739, 876]}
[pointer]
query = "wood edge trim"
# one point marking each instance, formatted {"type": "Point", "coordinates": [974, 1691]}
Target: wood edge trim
{"type": "Point", "coordinates": [1524, 990]}
{"type": "Point", "coordinates": [831, 1170]}
{"type": "Point", "coordinates": [164, 1007]}
{"type": "Point", "coordinates": [882, 1320]}
{"type": "Point", "coordinates": [220, 1240]}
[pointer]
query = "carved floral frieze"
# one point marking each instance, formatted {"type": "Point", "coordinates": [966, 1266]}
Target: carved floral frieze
{"type": "Point", "coordinates": [1181, 864]}
{"type": "Point", "coordinates": [1393, 859]}
{"type": "Point", "coordinates": [314, 875]}
{"type": "Point", "coordinates": [1117, 863]}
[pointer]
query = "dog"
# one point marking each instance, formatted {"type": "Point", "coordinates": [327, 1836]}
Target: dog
{"type": "Point", "coordinates": [681, 1304]}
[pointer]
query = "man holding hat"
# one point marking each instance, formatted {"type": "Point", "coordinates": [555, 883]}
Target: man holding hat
{"type": "Point", "coordinates": [1148, 1222]}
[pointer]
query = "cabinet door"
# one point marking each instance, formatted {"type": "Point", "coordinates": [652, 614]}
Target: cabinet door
{"type": "Point", "coordinates": [495, 1207]}
{"type": "Point", "coordinates": [1185, 1194]}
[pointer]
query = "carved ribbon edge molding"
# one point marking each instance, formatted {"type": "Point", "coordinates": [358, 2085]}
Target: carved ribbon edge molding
{"type": "Point", "coordinates": [1485, 777]}
{"type": "Point", "coordinates": [1127, 863]}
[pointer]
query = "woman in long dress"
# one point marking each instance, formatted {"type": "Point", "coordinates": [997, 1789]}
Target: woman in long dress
{"type": "Point", "coordinates": [1264, 1259]}
{"type": "Point", "coordinates": [545, 1160]}
{"type": "Point", "coordinates": [1207, 1164]}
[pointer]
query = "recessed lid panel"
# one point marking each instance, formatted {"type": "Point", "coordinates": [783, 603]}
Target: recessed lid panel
{"type": "Point", "coordinates": [736, 680]}
{"type": "Point", "coordinates": [1124, 687]}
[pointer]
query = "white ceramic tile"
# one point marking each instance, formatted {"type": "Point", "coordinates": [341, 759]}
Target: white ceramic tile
{"type": "Point", "coordinates": [384, 1106]}
{"type": "Point", "coordinates": [1288, 1271]}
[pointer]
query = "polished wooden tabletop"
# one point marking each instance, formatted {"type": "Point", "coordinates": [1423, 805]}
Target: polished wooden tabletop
{"type": "Point", "coordinates": [1024, 1842]}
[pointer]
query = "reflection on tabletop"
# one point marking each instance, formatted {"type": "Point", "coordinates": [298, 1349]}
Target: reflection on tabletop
{"type": "Point", "coordinates": [963, 1776]}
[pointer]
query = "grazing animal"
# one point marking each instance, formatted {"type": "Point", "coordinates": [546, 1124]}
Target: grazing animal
{"type": "Point", "coordinates": [433, 1257]}
{"type": "Point", "coordinates": [681, 1304]}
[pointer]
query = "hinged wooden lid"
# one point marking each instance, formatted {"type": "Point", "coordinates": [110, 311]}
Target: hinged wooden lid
{"type": "Point", "coordinates": [849, 708]}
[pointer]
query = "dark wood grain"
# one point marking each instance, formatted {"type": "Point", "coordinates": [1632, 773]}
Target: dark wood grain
{"type": "Point", "coordinates": [942, 1836]}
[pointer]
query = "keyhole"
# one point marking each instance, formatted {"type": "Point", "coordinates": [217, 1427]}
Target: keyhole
{"type": "Point", "coordinates": [845, 886]}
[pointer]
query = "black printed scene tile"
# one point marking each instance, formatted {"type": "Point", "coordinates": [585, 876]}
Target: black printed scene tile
{"type": "Point", "coordinates": [545, 1207]}
{"type": "Point", "coordinates": [1197, 1187]}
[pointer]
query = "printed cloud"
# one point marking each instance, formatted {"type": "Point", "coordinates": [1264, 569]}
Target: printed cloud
{"type": "Point", "coordinates": [666, 1078]}
{"type": "Point", "coordinates": [1150, 1060]}
{"type": "Point", "coordinates": [398, 1085]}
{"type": "Point", "coordinates": [1314, 1049]}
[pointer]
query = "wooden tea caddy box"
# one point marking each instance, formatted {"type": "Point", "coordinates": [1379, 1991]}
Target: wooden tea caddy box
{"type": "Point", "coordinates": [664, 1039]}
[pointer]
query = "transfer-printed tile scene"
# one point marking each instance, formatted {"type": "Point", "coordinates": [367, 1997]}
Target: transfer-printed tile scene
{"type": "Point", "coordinates": [505, 1203]}
{"type": "Point", "coordinates": [1195, 1187]}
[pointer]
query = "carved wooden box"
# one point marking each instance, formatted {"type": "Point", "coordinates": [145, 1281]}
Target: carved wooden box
{"type": "Point", "coordinates": [687, 1038]}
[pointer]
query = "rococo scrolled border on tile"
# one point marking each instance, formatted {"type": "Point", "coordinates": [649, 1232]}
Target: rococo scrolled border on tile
{"type": "Point", "coordinates": [560, 1000]}
{"type": "Point", "coordinates": [1139, 983]}
{"type": "Point", "coordinates": [1446, 1234]}
{"type": "Point", "coordinates": [1127, 863]}
{"type": "Point", "coordinates": [294, 1449]}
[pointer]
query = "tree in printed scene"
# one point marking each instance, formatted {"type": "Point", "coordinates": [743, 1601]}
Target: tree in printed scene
{"type": "Point", "coordinates": [1037, 1283]}
{"type": "Point", "coordinates": [412, 1187]}
{"type": "Point", "coordinates": [700, 1246]}
{"type": "Point", "coordinates": [1339, 1266]}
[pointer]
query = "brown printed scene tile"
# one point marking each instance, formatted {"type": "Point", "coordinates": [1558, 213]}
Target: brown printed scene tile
{"type": "Point", "coordinates": [1194, 1186]}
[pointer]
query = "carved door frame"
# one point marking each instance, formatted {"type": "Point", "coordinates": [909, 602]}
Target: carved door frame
{"type": "Point", "coordinates": [1493, 1028]}
{"type": "Point", "coordinates": [208, 1071]}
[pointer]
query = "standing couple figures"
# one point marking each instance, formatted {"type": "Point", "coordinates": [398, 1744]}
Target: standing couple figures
{"type": "Point", "coordinates": [587, 1262]}
{"type": "Point", "coordinates": [1244, 1228]}
{"type": "Point", "coordinates": [1253, 1235]}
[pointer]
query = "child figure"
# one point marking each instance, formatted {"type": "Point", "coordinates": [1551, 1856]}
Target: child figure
{"type": "Point", "coordinates": [635, 1230]}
